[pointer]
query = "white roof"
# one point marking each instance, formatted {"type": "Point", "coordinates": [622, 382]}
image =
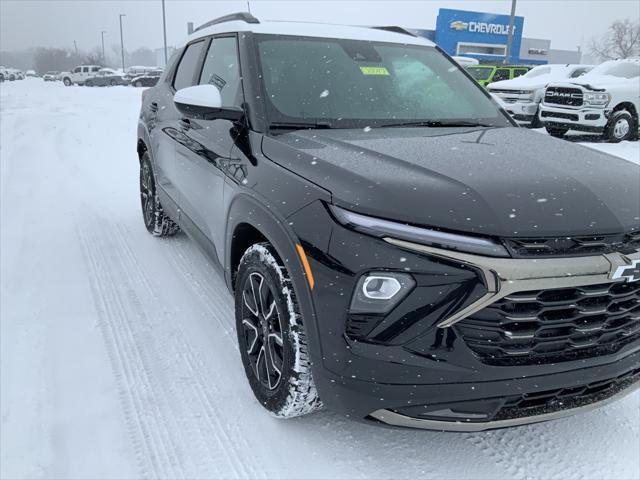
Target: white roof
{"type": "Point", "coordinates": [303, 29]}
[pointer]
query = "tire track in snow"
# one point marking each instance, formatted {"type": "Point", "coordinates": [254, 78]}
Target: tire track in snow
{"type": "Point", "coordinates": [228, 435]}
{"type": "Point", "coordinates": [187, 417]}
{"type": "Point", "coordinates": [115, 305]}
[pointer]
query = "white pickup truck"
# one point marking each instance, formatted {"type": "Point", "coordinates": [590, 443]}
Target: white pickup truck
{"type": "Point", "coordinates": [79, 75]}
{"type": "Point", "coordinates": [606, 100]}
{"type": "Point", "coordinates": [521, 96]}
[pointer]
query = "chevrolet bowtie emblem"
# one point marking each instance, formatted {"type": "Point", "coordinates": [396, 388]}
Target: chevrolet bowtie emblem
{"type": "Point", "coordinates": [630, 272]}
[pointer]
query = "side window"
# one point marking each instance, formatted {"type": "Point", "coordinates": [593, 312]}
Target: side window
{"type": "Point", "coordinates": [95, 69]}
{"type": "Point", "coordinates": [77, 70]}
{"type": "Point", "coordinates": [501, 74]}
{"type": "Point", "coordinates": [221, 68]}
{"type": "Point", "coordinates": [518, 72]}
{"type": "Point", "coordinates": [187, 68]}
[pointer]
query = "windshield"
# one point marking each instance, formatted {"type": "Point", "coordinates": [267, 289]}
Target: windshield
{"type": "Point", "coordinates": [538, 72]}
{"type": "Point", "coordinates": [480, 73]}
{"type": "Point", "coordinates": [617, 69]}
{"type": "Point", "coordinates": [352, 83]}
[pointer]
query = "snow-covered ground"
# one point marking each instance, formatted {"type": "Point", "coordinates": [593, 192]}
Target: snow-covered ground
{"type": "Point", "coordinates": [117, 350]}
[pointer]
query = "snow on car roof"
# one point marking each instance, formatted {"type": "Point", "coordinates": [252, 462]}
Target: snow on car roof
{"type": "Point", "coordinates": [306, 29]}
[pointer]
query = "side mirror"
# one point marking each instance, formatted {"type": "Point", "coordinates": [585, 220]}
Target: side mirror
{"type": "Point", "coordinates": [204, 102]}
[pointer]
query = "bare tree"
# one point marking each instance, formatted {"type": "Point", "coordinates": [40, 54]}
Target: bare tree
{"type": "Point", "coordinates": [622, 40]}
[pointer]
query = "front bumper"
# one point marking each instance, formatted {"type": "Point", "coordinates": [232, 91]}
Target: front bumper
{"type": "Point", "coordinates": [582, 119]}
{"type": "Point", "coordinates": [523, 113]}
{"type": "Point", "coordinates": [417, 356]}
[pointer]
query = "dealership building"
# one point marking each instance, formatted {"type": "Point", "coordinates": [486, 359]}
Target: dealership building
{"type": "Point", "coordinates": [484, 36]}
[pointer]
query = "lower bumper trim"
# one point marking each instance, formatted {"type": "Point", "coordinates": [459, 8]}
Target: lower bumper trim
{"type": "Point", "coordinates": [398, 420]}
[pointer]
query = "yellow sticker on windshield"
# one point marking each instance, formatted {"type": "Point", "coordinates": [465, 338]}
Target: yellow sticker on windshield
{"type": "Point", "coordinates": [374, 71]}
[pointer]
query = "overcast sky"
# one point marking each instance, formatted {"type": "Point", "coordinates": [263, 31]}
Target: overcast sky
{"type": "Point", "coordinates": [57, 23]}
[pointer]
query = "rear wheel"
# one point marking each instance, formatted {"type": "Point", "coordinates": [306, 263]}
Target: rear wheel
{"type": "Point", "coordinates": [271, 335]}
{"type": "Point", "coordinates": [621, 126]}
{"type": "Point", "coordinates": [557, 132]}
{"type": "Point", "coordinates": [67, 82]}
{"type": "Point", "coordinates": [157, 222]}
{"type": "Point", "coordinates": [113, 83]}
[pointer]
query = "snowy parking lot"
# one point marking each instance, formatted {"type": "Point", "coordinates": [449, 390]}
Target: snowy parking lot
{"type": "Point", "coordinates": [118, 351]}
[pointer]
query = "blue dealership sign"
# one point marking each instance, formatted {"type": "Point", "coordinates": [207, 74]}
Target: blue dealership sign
{"type": "Point", "coordinates": [476, 34]}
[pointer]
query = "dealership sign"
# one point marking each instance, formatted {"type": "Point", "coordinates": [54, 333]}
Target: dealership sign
{"type": "Point", "coordinates": [481, 27]}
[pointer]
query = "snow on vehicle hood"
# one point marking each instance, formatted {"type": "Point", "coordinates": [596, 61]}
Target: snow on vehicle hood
{"type": "Point", "coordinates": [558, 74]}
{"type": "Point", "coordinates": [508, 182]}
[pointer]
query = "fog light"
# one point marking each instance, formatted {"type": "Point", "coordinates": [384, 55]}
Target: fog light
{"type": "Point", "coordinates": [379, 292]}
{"type": "Point", "coordinates": [380, 288]}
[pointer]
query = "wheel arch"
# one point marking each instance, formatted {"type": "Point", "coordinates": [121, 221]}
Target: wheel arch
{"type": "Point", "coordinates": [630, 107]}
{"type": "Point", "coordinates": [250, 222]}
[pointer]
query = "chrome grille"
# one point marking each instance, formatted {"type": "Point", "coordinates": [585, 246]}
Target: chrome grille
{"type": "Point", "coordinates": [563, 96]}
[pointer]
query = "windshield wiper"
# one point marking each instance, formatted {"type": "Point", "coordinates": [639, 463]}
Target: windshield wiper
{"type": "Point", "coordinates": [299, 125]}
{"type": "Point", "coordinates": [436, 124]}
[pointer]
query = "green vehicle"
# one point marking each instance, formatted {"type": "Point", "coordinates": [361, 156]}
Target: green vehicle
{"type": "Point", "coordinates": [486, 74]}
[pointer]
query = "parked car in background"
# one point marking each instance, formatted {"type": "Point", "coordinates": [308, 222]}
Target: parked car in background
{"type": "Point", "coordinates": [106, 77]}
{"type": "Point", "coordinates": [13, 74]}
{"type": "Point", "coordinates": [147, 80]}
{"type": "Point", "coordinates": [606, 100]}
{"type": "Point", "coordinates": [79, 75]}
{"type": "Point", "coordinates": [31, 73]}
{"type": "Point", "coordinates": [486, 74]}
{"type": "Point", "coordinates": [51, 76]}
{"type": "Point", "coordinates": [398, 249]}
{"type": "Point", "coordinates": [522, 95]}
{"type": "Point", "coordinates": [138, 71]}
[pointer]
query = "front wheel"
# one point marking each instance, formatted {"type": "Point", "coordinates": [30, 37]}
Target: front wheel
{"type": "Point", "coordinates": [271, 335]}
{"type": "Point", "coordinates": [67, 82]}
{"type": "Point", "coordinates": [621, 126]}
{"type": "Point", "coordinates": [138, 83]}
{"type": "Point", "coordinates": [113, 83]}
{"type": "Point", "coordinates": [557, 132]}
{"type": "Point", "coordinates": [156, 221]}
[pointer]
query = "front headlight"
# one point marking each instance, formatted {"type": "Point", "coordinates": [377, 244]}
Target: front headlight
{"type": "Point", "coordinates": [450, 241]}
{"type": "Point", "coordinates": [597, 99]}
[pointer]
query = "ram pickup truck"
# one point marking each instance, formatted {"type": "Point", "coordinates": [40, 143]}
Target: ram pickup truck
{"type": "Point", "coordinates": [522, 95]}
{"type": "Point", "coordinates": [605, 100]}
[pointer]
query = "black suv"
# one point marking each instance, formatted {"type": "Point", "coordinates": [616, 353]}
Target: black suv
{"type": "Point", "coordinates": [398, 249]}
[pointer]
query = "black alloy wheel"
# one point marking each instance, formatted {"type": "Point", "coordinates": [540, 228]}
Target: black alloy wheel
{"type": "Point", "coordinates": [262, 331]}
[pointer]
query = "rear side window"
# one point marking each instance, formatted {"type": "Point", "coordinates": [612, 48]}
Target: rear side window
{"type": "Point", "coordinates": [222, 70]}
{"type": "Point", "coordinates": [519, 71]}
{"type": "Point", "coordinates": [501, 74]}
{"type": "Point", "coordinates": [189, 62]}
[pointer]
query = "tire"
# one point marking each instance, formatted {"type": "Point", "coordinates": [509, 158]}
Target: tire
{"type": "Point", "coordinates": [266, 308]}
{"type": "Point", "coordinates": [138, 83]}
{"type": "Point", "coordinates": [156, 221]}
{"type": "Point", "coordinates": [67, 82]}
{"type": "Point", "coordinates": [113, 83]}
{"type": "Point", "coordinates": [88, 83]}
{"type": "Point", "coordinates": [621, 126]}
{"type": "Point", "coordinates": [557, 132]}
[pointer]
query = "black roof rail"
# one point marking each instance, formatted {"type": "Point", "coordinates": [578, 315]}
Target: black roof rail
{"type": "Point", "coordinates": [240, 16]}
{"type": "Point", "coordinates": [395, 29]}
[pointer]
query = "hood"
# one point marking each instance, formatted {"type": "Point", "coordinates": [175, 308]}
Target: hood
{"type": "Point", "coordinates": [522, 83]}
{"type": "Point", "coordinates": [507, 182]}
{"type": "Point", "coordinates": [597, 82]}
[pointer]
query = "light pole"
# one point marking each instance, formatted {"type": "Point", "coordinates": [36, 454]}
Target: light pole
{"type": "Point", "coordinates": [512, 20]}
{"type": "Point", "coordinates": [102, 34]}
{"type": "Point", "coordinates": [122, 41]}
{"type": "Point", "coordinates": [164, 31]}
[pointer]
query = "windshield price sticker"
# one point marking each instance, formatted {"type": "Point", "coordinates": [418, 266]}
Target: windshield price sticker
{"type": "Point", "coordinates": [374, 71]}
